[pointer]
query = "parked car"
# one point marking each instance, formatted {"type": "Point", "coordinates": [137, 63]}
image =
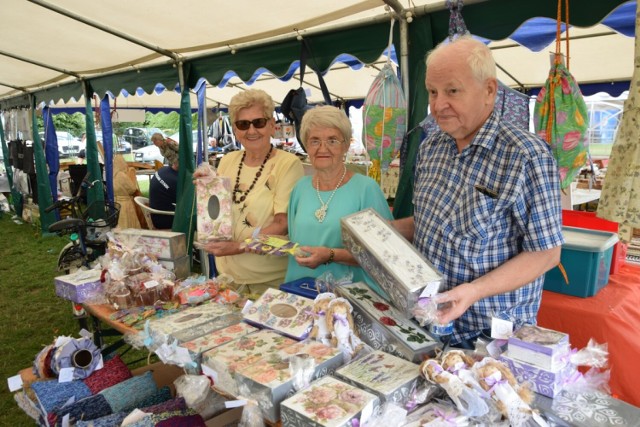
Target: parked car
{"type": "Point", "coordinates": [151, 153]}
{"type": "Point", "coordinates": [68, 145]}
{"type": "Point", "coordinates": [119, 146]}
{"type": "Point", "coordinates": [139, 137]}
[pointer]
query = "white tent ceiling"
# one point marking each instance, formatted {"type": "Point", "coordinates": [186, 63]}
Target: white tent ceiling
{"type": "Point", "coordinates": [41, 47]}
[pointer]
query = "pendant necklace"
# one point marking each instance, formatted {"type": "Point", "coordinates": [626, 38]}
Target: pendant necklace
{"type": "Point", "coordinates": [236, 188]}
{"type": "Point", "coordinates": [321, 212]}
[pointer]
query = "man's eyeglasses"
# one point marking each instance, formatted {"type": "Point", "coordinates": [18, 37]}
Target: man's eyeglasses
{"type": "Point", "coordinates": [331, 142]}
{"type": "Point", "coordinates": [246, 124]}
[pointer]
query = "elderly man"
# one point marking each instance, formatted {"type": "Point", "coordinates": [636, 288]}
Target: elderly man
{"type": "Point", "coordinates": [168, 147]}
{"type": "Point", "coordinates": [487, 198]}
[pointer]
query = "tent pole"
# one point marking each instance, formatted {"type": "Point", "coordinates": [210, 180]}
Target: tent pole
{"type": "Point", "coordinates": [404, 57]}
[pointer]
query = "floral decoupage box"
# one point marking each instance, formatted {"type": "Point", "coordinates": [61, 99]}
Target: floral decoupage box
{"type": "Point", "coordinates": [270, 379]}
{"type": "Point", "coordinates": [213, 204]}
{"type": "Point", "coordinates": [212, 340]}
{"type": "Point", "coordinates": [328, 402]}
{"type": "Point", "coordinates": [284, 312]}
{"type": "Point", "coordinates": [393, 262]}
{"type": "Point", "coordinates": [384, 328]}
{"type": "Point", "coordinates": [389, 377]}
{"type": "Point", "coordinates": [226, 359]}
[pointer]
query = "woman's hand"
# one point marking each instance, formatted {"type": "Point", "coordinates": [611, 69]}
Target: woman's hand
{"type": "Point", "coordinates": [317, 255]}
{"type": "Point", "coordinates": [223, 248]}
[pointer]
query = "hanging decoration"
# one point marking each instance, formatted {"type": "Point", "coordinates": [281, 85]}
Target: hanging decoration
{"type": "Point", "coordinates": [384, 118]}
{"type": "Point", "coordinates": [560, 115]}
{"type": "Point", "coordinates": [620, 198]}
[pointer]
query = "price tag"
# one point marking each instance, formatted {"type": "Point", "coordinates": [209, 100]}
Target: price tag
{"type": "Point", "coordinates": [66, 375]}
{"type": "Point", "coordinates": [15, 383]}
{"type": "Point", "coordinates": [210, 373]}
{"type": "Point", "coordinates": [151, 284]}
{"type": "Point", "coordinates": [501, 329]}
{"type": "Point", "coordinates": [234, 403]}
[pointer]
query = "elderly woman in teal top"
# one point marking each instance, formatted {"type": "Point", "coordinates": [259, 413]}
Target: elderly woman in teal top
{"type": "Point", "coordinates": [319, 201]}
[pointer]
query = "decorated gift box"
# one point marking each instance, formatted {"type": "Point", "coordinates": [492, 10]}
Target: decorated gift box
{"type": "Point", "coordinates": [181, 267]}
{"type": "Point", "coordinates": [538, 346]}
{"type": "Point", "coordinates": [166, 245]}
{"type": "Point", "coordinates": [587, 409]}
{"type": "Point", "coordinates": [385, 328]}
{"type": "Point", "coordinates": [389, 377]}
{"type": "Point", "coordinates": [542, 381]}
{"type": "Point", "coordinates": [223, 361]}
{"type": "Point", "coordinates": [328, 402]}
{"type": "Point", "coordinates": [193, 322]}
{"type": "Point", "coordinates": [81, 286]}
{"type": "Point", "coordinates": [270, 380]}
{"type": "Point", "coordinates": [214, 339]}
{"type": "Point", "coordinates": [213, 203]}
{"type": "Point", "coordinates": [403, 273]}
{"type": "Point", "coordinates": [284, 312]}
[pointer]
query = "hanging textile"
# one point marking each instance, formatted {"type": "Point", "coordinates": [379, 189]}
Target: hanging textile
{"type": "Point", "coordinates": [51, 152]}
{"type": "Point", "coordinates": [185, 219]}
{"type": "Point", "coordinates": [16, 197]}
{"type": "Point", "coordinates": [107, 141]}
{"type": "Point", "coordinates": [44, 190]}
{"type": "Point", "coordinates": [620, 198]}
{"type": "Point", "coordinates": [95, 189]}
{"type": "Point", "coordinates": [202, 149]}
{"type": "Point", "coordinates": [384, 121]}
{"type": "Point", "coordinates": [560, 115]}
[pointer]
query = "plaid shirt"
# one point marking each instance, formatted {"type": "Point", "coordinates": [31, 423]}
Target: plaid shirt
{"type": "Point", "coordinates": [477, 209]}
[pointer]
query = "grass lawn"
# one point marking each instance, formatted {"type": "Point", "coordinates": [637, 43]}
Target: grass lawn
{"type": "Point", "coordinates": [31, 314]}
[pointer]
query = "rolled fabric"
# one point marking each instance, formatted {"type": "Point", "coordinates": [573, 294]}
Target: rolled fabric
{"type": "Point", "coordinates": [108, 421]}
{"type": "Point", "coordinates": [174, 404]}
{"type": "Point", "coordinates": [42, 363]}
{"type": "Point", "coordinates": [89, 408]}
{"type": "Point", "coordinates": [114, 372]}
{"type": "Point", "coordinates": [80, 354]}
{"type": "Point", "coordinates": [52, 394]}
{"type": "Point", "coordinates": [127, 395]}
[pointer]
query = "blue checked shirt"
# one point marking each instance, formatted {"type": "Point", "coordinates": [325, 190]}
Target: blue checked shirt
{"type": "Point", "coordinates": [477, 209]}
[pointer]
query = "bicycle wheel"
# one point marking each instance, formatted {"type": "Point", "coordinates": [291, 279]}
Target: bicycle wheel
{"type": "Point", "coordinates": [71, 258]}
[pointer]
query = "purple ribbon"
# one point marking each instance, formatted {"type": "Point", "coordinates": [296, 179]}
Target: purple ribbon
{"type": "Point", "coordinates": [341, 318]}
{"type": "Point", "coordinates": [457, 368]}
{"type": "Point", "coordinates": [320, 313]}
{"type": "Point", "coordinates": [448, 418]}
{"type": "Point", "coordinates": [493, 382]}
{"type": "Point", "coordinates": [571, 379]}
{"type": "Point", "coordinates": [566, 357]}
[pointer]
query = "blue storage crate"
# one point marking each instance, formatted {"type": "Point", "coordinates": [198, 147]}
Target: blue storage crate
{"type": "Point", "coordinates": [586, 257]}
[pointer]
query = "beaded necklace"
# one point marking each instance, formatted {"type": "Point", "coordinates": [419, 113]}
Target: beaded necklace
{"type": "Point", "coordinates": [236, 188]}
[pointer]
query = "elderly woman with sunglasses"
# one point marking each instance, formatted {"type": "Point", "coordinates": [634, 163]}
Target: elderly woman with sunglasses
{"type": "Point", "coordinates": [261, 181]}
{"type": "Point", "coordinates": [320, 200]}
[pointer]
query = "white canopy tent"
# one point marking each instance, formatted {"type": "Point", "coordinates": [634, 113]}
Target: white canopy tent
{"type": "Point", "coordinates": [44, 44]}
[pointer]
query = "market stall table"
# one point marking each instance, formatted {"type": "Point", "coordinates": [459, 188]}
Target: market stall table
{"type": "Point", "coordinates": [100, 314]}
{"type": "Point", "coordinates": [612, 316]}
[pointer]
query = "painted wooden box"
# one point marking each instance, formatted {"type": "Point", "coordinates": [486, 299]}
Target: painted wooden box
{"type": "Point", "coordinates": [223, 361]}
{"type": "Point", "coordinates": [270, 380]}
{"type": "Point", "coordinates": [161, 244]}
{"type": "Point", "coordinates": [384, 327]}
{"type": "Point", "coordinates": [402, 271]}
{"type": "Point", "coordinates": [389, 377]}
{"type": "Point", "coordinates": [214, 339]}
{"type": "Point", "coordinates": [284, 312]}
{"type": "Point", "coordinates": [193, 322]}
{"type": "Point", "coordinates": [328, 402]}
{"type": "Point", "coordinates": [213, 203]}
{"type": "Point", "coordinates": [538, 346]}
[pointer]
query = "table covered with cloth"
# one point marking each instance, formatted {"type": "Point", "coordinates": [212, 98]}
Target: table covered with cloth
{"type": "Point", "coordinates": [611, 316]}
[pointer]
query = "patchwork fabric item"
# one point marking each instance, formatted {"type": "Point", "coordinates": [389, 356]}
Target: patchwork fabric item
{"type": "Point", "coordinates": [174, 404]}
{"type": "Point", "coordinates": [561, 118]}
{"type": "Point", "coordinates": [385, 119]}
{"type": "Point", "coordinates": [52, 394]}
{"type": "Point", "coordinates": [113, 372]}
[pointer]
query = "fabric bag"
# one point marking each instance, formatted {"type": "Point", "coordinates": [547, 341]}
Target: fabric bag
{"type": "Point", "coordinates": [384, 121]}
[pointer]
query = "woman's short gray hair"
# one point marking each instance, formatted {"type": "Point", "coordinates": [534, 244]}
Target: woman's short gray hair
{"type": "Point", "coordinates": [248, 99]}
{"type": "Point", "coordinates": [325, 116]}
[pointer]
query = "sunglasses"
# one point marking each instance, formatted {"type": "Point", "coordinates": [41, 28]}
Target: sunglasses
{"type": "Point", "coordinates": [246, 124]}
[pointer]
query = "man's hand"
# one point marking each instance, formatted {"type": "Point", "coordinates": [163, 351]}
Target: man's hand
{"type": "Point", "coordinates": [452, 304]}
